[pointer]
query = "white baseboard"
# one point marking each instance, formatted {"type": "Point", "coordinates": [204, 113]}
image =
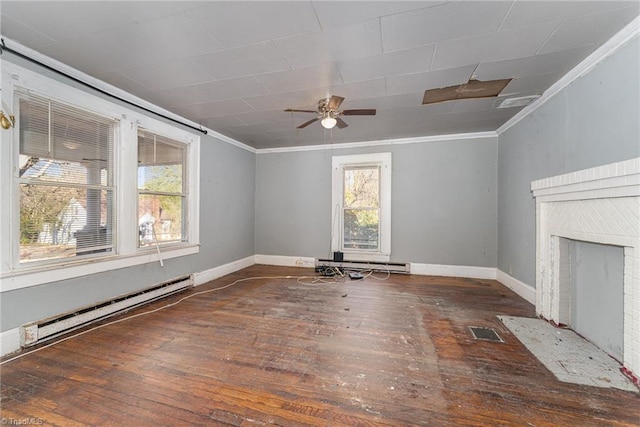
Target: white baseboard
{"type": "Point", "coordinates": [286, 261]}
{"type": "Point", "coordinates": [416, 268]}
{"type": "Point", "coordinates": [9, 341]}
{"type": "Point", "coordinates": [525, 291]}
{"type": "Point", "coordinates": [453, 271]}
{"type": "Point", "coordinates": [222, 270]}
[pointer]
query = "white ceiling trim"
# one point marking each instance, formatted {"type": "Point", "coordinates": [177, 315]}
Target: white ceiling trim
{"type": "Point", "coordinates": [400, 141]}
{"type": "Point", "coordinates": [86, 78]}
{"type": "Point", "coordinates": [612, 45]}
{"type": "Point", "coordinates": [229, 140]}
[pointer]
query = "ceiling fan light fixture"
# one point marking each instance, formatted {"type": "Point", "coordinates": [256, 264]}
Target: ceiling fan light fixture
{"type": "Point", "coordinates": [329, 115]}
{"type": "Point", "coordinates": [328, 122]}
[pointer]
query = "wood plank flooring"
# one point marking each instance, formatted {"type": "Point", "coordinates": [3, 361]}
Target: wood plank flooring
{"type": "Point", "coordinates": [276, 351]}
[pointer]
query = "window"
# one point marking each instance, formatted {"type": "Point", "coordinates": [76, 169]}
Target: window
{"type": "Point", "coordinates": [78, 173]}
{"type": "Point", "coordinates": [162, 196]}
{"type": "Point", "coordinates": [361, 207]}
{"type": "Point", "coordinates": [361, 199]}
{"type": "Point", "coordinates": [65, 180]}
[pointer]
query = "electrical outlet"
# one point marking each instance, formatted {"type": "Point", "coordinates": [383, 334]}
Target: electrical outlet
{"type": "Point", "coordinates": [301, 262]}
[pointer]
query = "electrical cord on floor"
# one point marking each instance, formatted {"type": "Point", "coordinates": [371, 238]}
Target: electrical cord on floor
{"type": "Point", "coordinates": [145, 313]}
{"type": "Point", "coordinates": [314, 280]}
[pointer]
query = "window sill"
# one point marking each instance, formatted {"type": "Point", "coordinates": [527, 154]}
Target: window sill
{"type": "Point", "coordinates": [26, 277]}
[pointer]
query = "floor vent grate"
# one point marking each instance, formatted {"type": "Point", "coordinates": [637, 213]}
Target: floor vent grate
{"type": "Point", "coordinates": [485, 334]}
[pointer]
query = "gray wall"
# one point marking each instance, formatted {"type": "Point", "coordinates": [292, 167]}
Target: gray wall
{"type": "Point", "coordinates": [594, 121]}
{"type": "Point", "coordinates": [597, 294]}
{"type": "Point", "coordinates": [227, 207]}
{"type": "Point", "coordinates": [444, 202]}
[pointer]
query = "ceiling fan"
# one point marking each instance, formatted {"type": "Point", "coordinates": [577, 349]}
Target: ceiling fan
{"type": "Point", "coordinates": [329, 114]}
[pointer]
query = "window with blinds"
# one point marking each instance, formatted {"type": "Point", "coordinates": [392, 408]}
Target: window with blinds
{"type": "Point", "coordinates": [65, 178]}
{"type": "Point", "coordinates": [162, 189]}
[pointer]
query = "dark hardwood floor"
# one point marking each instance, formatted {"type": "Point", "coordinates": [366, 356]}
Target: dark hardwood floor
{"type": "Point", "coordinates": [274, 351]}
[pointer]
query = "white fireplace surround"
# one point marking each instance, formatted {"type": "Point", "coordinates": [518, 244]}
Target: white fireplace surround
{"type": "Point", "coordinates": [600, 205]}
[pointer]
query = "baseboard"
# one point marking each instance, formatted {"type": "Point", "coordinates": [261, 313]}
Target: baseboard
{"type": "Point", "coordinates": [286, 261]}
{"type": "Point", "coordinates": [9, 341]}
{"type": "Point", "coordinates": [222, 270]}
{"type": "Point", "coordinates": [453, 271]}
{"type": "Point", "coordinates": [525, 291]}
{"type": "Point", "coordinates": [416, 268]}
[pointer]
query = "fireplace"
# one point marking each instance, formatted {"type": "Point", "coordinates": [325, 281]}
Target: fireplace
{"type": "Point", "coordinates": [599, 205]}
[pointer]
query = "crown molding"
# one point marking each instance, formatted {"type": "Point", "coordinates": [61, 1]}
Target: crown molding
{"type": "Point", "coordinates": [401, 141]}
{"type": "Point", "coordinates": [607, 49]}
{"type": "Point", "coordinates": [230, 140]}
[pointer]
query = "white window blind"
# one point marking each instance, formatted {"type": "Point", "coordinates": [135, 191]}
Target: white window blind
{"type": "Point", "coordinates": [65, 178]}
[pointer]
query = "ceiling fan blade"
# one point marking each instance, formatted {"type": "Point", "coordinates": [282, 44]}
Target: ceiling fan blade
{"type": "Point", "coordinates": [307, 123]}
{"type": "Point", "coordinates": [335, 102]}
{"type": "Point", "coordinates": [293, 110]}
{"type": "Point", "coordinates": [360, 112]}
{"type": "Point", "coordinates": [341, 123]}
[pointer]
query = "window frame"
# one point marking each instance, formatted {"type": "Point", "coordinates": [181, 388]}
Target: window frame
{"type": "Point", "coordinates": [184, 193]}
{"type": "Point", "coordinates": [16, 275]}
{"type": "Point", "coordinates": [55, 107]}
{"type": "Point", "coordinates": [339, 164]}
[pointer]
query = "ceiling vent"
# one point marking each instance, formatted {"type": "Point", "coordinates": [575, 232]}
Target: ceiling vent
{"type": "Point", "coordinates": [518, 102]}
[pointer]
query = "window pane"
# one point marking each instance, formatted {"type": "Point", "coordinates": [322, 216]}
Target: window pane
{"type": "Point", "coordinates": [166, 179]}
{"type": "Point", "coordinates": [361, 187]}
{"type": "Point", "coordinates": [361, 229]}
{"type": "Point", "coordinates": [65, 179]}
{"type": "Point", "coordinates": [53, 133]}
{"type": "Point", "coordinates": [63, 221]}
{"type": "Point", "coordinates": [51, 170]}
{"type": "Point", "coordinates": [160, 219]}
{"type": "Point", "coordinates": [160, 161]}
{"type": "Point", "coordinates": [161, 189]}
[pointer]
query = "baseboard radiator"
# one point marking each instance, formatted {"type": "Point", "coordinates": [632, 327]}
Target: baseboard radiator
{"type": "Point", "coordinates": [46, 329]}
{"type": "Point", "coordinates": [391, 267]}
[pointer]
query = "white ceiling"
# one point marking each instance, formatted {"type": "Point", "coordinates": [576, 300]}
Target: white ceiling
{"type": "Point", "coordinates": [234, 66]}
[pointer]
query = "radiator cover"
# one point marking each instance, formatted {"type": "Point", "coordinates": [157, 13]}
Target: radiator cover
{"type": "Point", "coordinates": [35, 332]}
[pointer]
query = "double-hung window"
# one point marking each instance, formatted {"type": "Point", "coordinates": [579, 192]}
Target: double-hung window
{"type": "Point", "coordinates": [162, 189]}
{"type": "Point", "coordinates": [361, 200]}
{"type": "Point", "coordinates": [65, 180]}
{"type": "Point", "coordinates": [88, 185]}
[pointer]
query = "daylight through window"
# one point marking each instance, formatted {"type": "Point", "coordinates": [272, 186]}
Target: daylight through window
{"type": "Point", "coordinates": [65, 180]}
{"type": "Point", "coordinates": [361, 206]}
{"type": "Point", "coordinates": [162, 195]}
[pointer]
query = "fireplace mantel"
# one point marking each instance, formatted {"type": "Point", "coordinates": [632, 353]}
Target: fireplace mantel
{"type": "Point", "coordinates": [600, 205]}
